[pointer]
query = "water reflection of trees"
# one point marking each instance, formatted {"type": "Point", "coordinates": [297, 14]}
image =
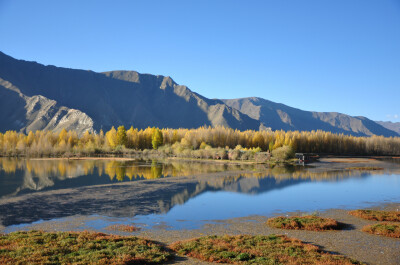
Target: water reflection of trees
{"type": "Point", "coordinates": [122, 199]}
{"type": "Point", "coordinates": [115, 170]}
{"type": "Point", "coordinates": [130, 170]}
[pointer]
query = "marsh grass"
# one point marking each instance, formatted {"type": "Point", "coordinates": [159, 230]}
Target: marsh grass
{"type": "Point", "coordinates": [309, 222]}
{"type": "Point", "coordinates": [122, 228]}
{"type": "Point", "coordinates": [384, 229]}
{"type": "Point", "coordinates": [374, 215]}
{"type": "Point", "coordinates": [36, 247]}
{"type": "Point", "coordinates": [246, 249]}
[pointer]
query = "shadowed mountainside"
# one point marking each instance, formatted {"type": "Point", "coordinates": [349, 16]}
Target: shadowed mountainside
{"type": "Point", "coordinates": [279, 116]}
{"type": "Point", "coordinates": [38, 97]}
{"type": "Point", "coordinates": [113, 98]}
{"type": "Point", "coordinates": [23, 113]}
{"type": "Point", "coordinates": [394, 126]}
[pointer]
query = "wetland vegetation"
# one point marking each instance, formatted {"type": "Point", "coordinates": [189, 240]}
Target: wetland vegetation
{"type": "Point", "coordinates": [36, 247]}
{"type": "Point", "coordinates": [246, 249]}
{"type": "Point", "coordinates": [122, 228]}
{"type": "Point", "coordinates": [384, 229]}
{"type": "Point", "coordinates": [375, 215]}
{"type": "Point", "coordinates": [308, 222]}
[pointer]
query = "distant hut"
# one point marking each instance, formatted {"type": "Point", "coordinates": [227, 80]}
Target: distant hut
{"type": "Point", "coordinates": [305, 158]}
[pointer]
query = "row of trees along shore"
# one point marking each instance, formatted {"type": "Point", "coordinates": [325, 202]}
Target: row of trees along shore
{"type": "Point", "coordinates": [181, 142]}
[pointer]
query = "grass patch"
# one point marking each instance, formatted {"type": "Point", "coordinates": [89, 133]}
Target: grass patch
{"type": "Point", "coordinates": [36, 247]}
{"type": "Point", "coordinates": [309, 222]}
{"type": "Point", "coordinates": [246, 249]}
{"type": "Point", "coordinates": [122, 228]}
{"type": "Point", "coordinates": [373, 215]}
{"type": "Point", "coordinates": [365, 168]}
{"type": "Point", "coordinates": [384, 229]}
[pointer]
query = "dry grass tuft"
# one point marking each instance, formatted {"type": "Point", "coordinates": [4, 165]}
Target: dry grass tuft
{"type": "Point", "coordinates": [122, 228]}
{"type": "Point", "coordinates": [384, 229]}
{"type": "Point", "coordinates": [246, 249]}
{"type": "Point", "coordinates": [36, 247]}
{"type": "Point", "coordinates": [309, 222]}
{"type": "Point", "coordinates": [373, 215]}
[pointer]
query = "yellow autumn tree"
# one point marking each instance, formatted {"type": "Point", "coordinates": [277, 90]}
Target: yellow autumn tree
{"type": "Point", "coordinates": [111, 137]}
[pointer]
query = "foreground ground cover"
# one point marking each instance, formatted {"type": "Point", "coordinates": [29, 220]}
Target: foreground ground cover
{"type": "Point", "coordinates": [37, 247]}
{"type": "Point", "coordinates": [246, 249]}
{"type": "Point", "coordinates": [384, 229]}
{"type": "Point", "coordinates": [374, 215]}
{"type": "Point", "coordinates": [309, 222]}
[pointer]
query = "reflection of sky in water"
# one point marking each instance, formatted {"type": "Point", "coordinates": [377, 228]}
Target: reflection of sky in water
{"type": "Point", "coordinates": [306, 197]}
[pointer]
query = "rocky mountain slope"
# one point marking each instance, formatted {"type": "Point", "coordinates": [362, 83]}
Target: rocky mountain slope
{"type": "Point", "coordinates": [38, 97]}
{"type": "Point", "coordinates": [279, 116]}
{"type": "Point", "coordinates": [109, 99]}
{"type": "Point", "coordinates": [23, 113]}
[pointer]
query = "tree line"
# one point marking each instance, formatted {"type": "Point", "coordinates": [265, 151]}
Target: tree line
{"type": "Point", "coordinates": [175, 141]}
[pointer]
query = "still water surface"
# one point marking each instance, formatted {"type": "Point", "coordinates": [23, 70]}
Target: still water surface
{"type": "Point", "coordinates": [180, 194]}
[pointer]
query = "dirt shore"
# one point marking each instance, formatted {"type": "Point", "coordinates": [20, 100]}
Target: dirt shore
{"type": "Point", "coordinates": [350, 241]}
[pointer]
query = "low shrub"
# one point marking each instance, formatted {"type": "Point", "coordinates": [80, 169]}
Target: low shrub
{"type": "Point", "coordinates": [37, 247]}
{"type": "Point", "coordinates": [309, 222]}
{"type": "Point", "coordinates": [282, 154]}
{"type": "Point", "coordinates": [246, 249]}
{"type": "Point", "coordinates": [374, 215]}
{"type": "Point", "coordinates": [122, 228]}
{"type": "Point", "coordinates": [383, 229]}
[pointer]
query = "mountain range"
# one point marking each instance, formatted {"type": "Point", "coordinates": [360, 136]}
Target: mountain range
{"type": "Point", "coordinates": [34, 96]}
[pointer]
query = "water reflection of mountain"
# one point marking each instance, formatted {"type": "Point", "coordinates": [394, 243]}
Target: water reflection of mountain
{"type": "Point", "coordinates": [20, 176]}
{"type": "Point", "coordinates": [70, 188]}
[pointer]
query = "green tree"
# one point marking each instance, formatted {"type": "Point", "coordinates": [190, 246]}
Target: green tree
{"type": "Point", "coordinates": [157, 138]}
{"type": "Point", "coordinates": [121, 136]}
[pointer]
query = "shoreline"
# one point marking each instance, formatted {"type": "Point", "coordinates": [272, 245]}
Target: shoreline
{"type": "Point", "coordinates": [350, 241]}
{"type": "Point", "coordinates": [164, 159]}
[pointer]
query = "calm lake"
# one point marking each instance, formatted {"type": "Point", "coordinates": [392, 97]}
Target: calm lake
{"type": "Point", "coordinates": [180, 195]}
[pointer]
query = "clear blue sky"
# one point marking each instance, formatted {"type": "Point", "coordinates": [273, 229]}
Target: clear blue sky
{"type": "Point", "coordinates": [337, 55]}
